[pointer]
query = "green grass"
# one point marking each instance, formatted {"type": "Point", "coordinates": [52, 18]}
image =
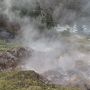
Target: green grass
{"type": "Point", "coordinates": [26, 80]}
{"type": "Point", "coordinates": [5, 46]}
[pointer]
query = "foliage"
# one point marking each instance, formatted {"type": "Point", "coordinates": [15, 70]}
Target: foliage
{"type": "Point", "coordinates": [36, 12]}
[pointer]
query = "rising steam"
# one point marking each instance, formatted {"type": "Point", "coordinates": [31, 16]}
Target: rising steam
{"type": "Point", "coordinates": [66, 45]}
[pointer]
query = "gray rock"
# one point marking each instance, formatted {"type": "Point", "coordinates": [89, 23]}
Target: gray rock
{"type": "Point", "coordinates": [11, 58]}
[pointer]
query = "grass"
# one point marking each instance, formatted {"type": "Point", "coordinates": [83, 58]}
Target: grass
{"type": "Point", "coordinates": [5, 46]}
{"type": "Point", "coordinates": [26, 80]}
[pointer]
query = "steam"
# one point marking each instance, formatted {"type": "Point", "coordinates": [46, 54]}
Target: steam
{"type": "Point", "coordinates": [63, 46]}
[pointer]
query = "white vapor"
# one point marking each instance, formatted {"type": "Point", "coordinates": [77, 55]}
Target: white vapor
{"type": "Point", "coordinates": [66, 46]}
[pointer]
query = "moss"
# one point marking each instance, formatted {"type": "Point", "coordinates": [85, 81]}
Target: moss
{"type": "Point", "coordinates": [26, 80]}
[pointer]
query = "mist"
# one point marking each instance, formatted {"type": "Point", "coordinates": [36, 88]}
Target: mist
{"type": "Point", "coordinates": [66, 45]}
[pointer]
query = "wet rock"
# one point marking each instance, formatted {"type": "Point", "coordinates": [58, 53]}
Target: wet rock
{"type": "Point", "coordinates": [4, 34]}
{"type": "Point", "coordinates": [8, 29]}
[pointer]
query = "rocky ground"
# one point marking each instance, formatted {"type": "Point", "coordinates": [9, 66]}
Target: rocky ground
{"type": "Point", "coordinates": [11, 58]}
{"type": "Point", "coordinates": [69, 78]}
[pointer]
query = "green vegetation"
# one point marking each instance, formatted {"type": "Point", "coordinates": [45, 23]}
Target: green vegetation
{"type": "Point", "coordinates": [45, 16]}
{"type": "Point", "coordinates": [26, 80]}
{"type": "Point", "coordinates": [4, 46]}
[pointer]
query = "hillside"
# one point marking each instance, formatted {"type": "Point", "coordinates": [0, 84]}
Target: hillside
{"type": "Point", "coordinates": [10, 79]}
{"type": "Point", "coordinates": [44, 44]}
{"type": "Point", "coordinates": [26, 80]}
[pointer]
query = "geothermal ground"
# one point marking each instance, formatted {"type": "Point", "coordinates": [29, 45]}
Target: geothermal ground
{"type": "Point", "coordinates": [50, 37]}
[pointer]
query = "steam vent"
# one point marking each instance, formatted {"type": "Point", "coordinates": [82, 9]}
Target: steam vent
{"type": "Point", "coordinates": [44, 44]}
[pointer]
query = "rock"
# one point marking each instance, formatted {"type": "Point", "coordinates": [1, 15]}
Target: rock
{"type": "Point", "coordinates": [4, 34]}
{"type": "Point", "coordinates": [69, 78]}
{"type": "Point", "coordinates": [8, 29]}
{"type": "Point", "coordinates": [11, 58]}
{"type": "Point", "coordinates": [19, 52]}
